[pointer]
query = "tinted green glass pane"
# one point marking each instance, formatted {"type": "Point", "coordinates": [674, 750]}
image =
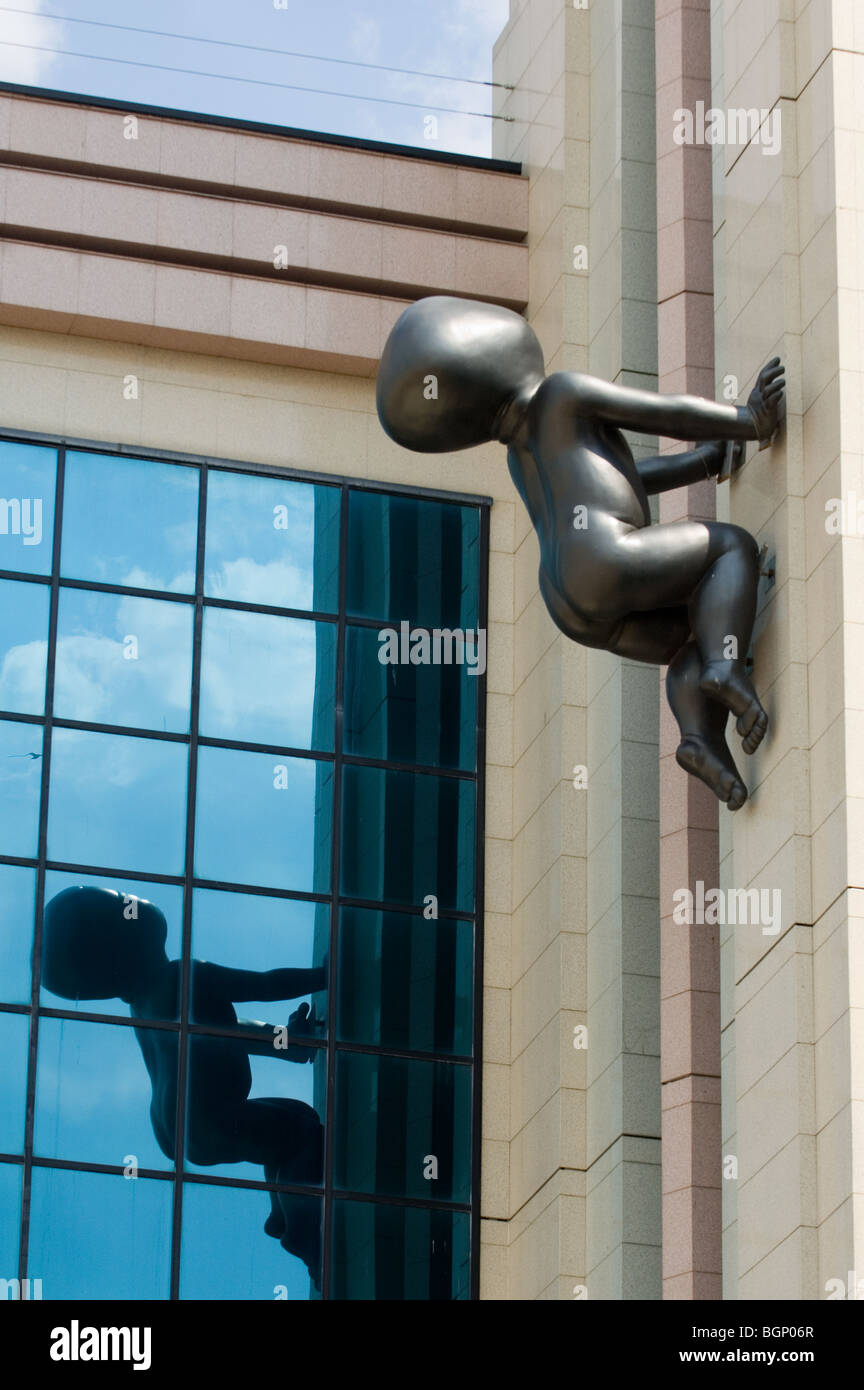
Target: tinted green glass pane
{"type": "Point", "coordinates": [272, 541]}
{"type": "Point", "coordinates": [386, 1253]}
{"type": "Point", "coordinates": [20, 787]}
{"type": "Point", "coordinates": [93, 1093]}
{"type": "Point", "coordinates": [398, 1120]}
{"type": "Point", "coordinates": [266, 679]}
{"type": "Point", "coordinates": [23, 646]}
{"type": "Point", "coordinates": [405, 982]}
{"type": "Point", "coordinates": [257, 935]}
{"type": "Point", "coordinates": [225, 1253]}
{"type": "Point", "coordinates": [408, 713]}
{"type": "Point", "coordinates": [117, 801]}
{"type": "Point", "coordinates": [414, 560]}
{"type": "Point", "coordinates": [123, 660]}
{"type": "Point", "coordinates": [17, 906]}
{"type": "Point", "coordinates": [14, 1042]}
{"type": "Point", "coordinates": [123, 1225]}
{"type": "Point", "coordinates": [28, 481]}
{"type": "Point", "coordinates": [406, 836]}
{"type": "Point", "coordinates": [130, 521]}
{"type": "Point", "coordinates": [166, 896]}
{"type": "Point", "coordinates": [263, 819]}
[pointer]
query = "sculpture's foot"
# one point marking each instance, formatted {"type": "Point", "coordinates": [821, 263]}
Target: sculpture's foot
{"type": "Point", "coordinates": [713, 766]}
{"type": "Point", "coordinates": [726, 682]}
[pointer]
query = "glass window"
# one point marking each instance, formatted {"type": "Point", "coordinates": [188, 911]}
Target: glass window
{"type": "Point", "coordinates": [405, 982]}
{"type": "Point", "coordinates": [117, 802]}
{"type": "Point", "coordinates": [406, 836]}
{"type": "Point", "coordinates": [10, 1216]}
{"type": "Point", "coordinates": [28, 482]}
{"type": "Point", "coordinates": [255, 1107]}
{"type": "Point", "coordinates": [23, 646]}
{"type": "Point", "coordinates": [20, 786]}
{"type": "Point", "coordinates": [412, 559]}
{"type": "Point", "coordinates": [18, 896]}
{"type": "Point", "coordinates": [272, 541]}
{"type": "Point", "coordinates": [94, 1093]}
{"type": "Point", "coordinates": [130, 521]}
{"type": "Point", "coordinates": [14, 1044]}
{"type": "Point", "coordinates": [99, 1235]}
{"type": "Point", "coordinates": [274, 1240]}
{"type": "Point", "coordinates": [392, 1253]}
{"type": "Point", "coordinates": [405, 713]}
{"type": "Point", "coordinates": [266, 679]}
{"type": "Point", "coordinates": [241, 639]}
{"type": "Point", "coordinates": [167, 897]}
{"type": "Point", "coordinates": [260, 938]}
{"type": "Point", "coordinates": [123, 660]}
{"type": "Point", "coordinates": [264, 819]}
{"type": "Point", "coordinates": [402, 1128]}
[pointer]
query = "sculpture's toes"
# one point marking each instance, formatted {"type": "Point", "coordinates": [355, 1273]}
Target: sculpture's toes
{"type": "Point", "coordinates": [714, 767]}
{"type": "Point", "coordinates": [752, 727]}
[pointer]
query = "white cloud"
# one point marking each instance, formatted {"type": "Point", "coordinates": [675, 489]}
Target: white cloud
{"type": "Point", "coordinates": [22, 677]}
{"type": "Point", "coordinates": [258, 677]}
{"type": "Point", "coordinates": [459, 39]}
{"type": "Point", "coordinates": [26, 65]}
{"type": "Point", "coordinates": [274, 581]}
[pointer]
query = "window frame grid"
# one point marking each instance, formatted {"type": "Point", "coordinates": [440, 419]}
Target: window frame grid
{"type": "Point", "coordinates": [35, 1010]}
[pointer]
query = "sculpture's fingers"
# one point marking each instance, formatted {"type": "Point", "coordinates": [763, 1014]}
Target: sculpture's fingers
{"type": "Point", "coordinates": [770, 374]}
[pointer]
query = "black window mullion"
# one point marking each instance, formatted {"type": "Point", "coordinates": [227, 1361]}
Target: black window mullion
{"type": "Point", "coordinates": [41, 852]}
{"type": "Point", "coordinates": [479, 897]}
{"type": "Point", "coordinates": [335, 870]}
{"type": "Point", "coordinates": [188, 890]}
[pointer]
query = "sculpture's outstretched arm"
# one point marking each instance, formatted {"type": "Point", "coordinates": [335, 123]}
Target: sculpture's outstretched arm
{"type": "Point", "coordinates": [238, 985]}
{"type": "Point", "coordinates": [260, 1039]}
{"type": "Point", "coordinates": [684, 417]}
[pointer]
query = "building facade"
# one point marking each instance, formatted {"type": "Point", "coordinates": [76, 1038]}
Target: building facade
{"type": "Point", "coordinates": [523, 1076]}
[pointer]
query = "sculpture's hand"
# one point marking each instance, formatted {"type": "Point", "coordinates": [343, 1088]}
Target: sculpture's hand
{"type": "Point", "coordinates": [303, 1023]}
{"type": "Point", "coordinates": [713, 455]}
{"type": "Point", "coordinates": [734, 453]}
{"type": "Point", "coordinates": [766, 398]}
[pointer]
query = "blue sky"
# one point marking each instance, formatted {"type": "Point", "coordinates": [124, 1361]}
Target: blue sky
{"type": "Point", "coordinates": [447, 37]}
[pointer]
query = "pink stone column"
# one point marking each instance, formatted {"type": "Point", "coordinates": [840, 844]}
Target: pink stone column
{"type": "Point", "coordinates": [689, 956]}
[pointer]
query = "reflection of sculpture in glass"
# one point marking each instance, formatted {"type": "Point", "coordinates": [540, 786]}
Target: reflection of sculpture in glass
{"type": "Point", "coordinates": [455, 373]}
{"type": "Point", "coordinates": [95, 948]}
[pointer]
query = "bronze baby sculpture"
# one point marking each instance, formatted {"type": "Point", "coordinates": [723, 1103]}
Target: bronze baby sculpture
{"type": "Point", "coordinates": [455, 373]}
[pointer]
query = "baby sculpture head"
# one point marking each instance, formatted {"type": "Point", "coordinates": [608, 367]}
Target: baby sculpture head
{"type": "Point", "coordinates": [452, 372]}
{"type": "Point", "coordinates": [98, 944]}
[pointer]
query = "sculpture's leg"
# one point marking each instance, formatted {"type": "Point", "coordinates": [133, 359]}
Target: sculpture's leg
{"type": "Point", "coordinates": [703, 750]}
{"type": "Point", "coordinates": [714, 569]}
{"type": "Point", "coordinates": [275, 1223]}
{"type": "Point", "coordinates": [661, 638]}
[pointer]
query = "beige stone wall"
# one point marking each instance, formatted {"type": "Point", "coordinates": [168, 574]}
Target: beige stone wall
{"type": "Point", "coordinates": [535, 1114]}
{"type": "Point", "coordinates": [623, 1146]}
{"type": "Point", "coordinates": [248, 245]}
{"type": "Point", "coordinates": [577, 1207]}
{"type": "Point", "coordinates": [788, 254]}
